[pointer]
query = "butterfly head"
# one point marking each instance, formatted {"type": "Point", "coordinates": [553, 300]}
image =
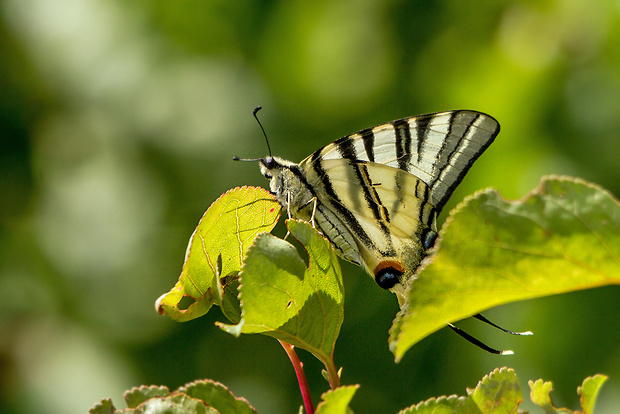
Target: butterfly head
{"type": "Point", "coordinates": [268, 165]}
{"type": "Point", "coordinates": [277, 171]}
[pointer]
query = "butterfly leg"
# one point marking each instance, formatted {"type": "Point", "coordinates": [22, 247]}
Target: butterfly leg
{"type": "Point", "coordinates": [313, 212]}
{"type": "Point", "coordinates": [288, 204]}
{"type": "Point", "coordinates": [288, 212]}
{"type": "Point", "coordinates": [314, 203]}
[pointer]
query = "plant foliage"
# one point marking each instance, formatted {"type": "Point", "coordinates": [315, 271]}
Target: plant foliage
{"type": "Point", "coordinates": [564, 236]}
{"type": "Point", "coordinates": [215, 253]}
{"type": "Point", "coordinates": [497, 392]}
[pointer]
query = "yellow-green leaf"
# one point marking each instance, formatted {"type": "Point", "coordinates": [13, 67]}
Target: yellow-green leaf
{"type": "Point", "coordinates": [215, 253]}
{"type": "Point", "coordinates": [283, 297]}
{"type": "Point", "coordinates": [337, 401]}
{"type": "Point", "coordinates": [540, 394]}
{"type": "Point", "coordinates": [589, 391]}
{"type": "Point", "coordinates": [498, 392]}
{"type": "Point", "coordinates": [218, 396]}
{"type": "Point", "coordinates": [562, 237]}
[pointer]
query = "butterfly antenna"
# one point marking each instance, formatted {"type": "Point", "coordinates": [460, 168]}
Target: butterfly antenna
{"type": "Point", "coordinates": [258, 108]}
{"type": "Point", "coordinates": [482, 345]}
{"type": "Point", "coordinates": [479, 343]}
{"type": "Point", "coordinates": [485, 320]}
{"type": "Point", "coordinates": [235, 158]}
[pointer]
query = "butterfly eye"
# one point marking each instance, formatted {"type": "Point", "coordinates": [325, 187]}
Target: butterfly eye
{"type": "Point", "coordinates": [270, 163]}
{"type": "Point", "coordinates": [387, 277]}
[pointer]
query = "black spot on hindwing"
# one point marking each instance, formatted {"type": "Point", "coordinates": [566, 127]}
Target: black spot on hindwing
{"type": "Point", "coordinates": [387, 277]}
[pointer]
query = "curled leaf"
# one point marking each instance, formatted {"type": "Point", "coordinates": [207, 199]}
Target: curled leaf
{"type": "Point", "coordinates": [215, 253]}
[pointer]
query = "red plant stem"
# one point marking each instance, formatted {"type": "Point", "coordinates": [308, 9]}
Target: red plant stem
{"type": "Point", "coordinates": [301, 377]}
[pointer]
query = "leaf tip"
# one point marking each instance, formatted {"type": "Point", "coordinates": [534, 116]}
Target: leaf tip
{"type": "Point", "coordinates": [234, 330]}
{"type": "Point", "coordinates": [158, 305]}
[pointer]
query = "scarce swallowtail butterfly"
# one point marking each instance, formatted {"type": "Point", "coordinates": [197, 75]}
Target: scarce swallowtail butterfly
{"type": "Point", "coordinates": [376, 194]}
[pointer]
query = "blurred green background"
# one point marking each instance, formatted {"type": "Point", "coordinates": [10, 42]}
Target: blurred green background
{"type": "Point", "coordinates": [118, 122]}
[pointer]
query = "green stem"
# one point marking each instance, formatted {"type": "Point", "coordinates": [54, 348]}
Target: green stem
{"type": "Point", "coordinates": [332, 374]}
{"type": "Point", "coordinates": [301, 377]}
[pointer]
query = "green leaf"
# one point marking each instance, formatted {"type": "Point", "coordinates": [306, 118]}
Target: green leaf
{"type": "Point", "coordinates": [539, 394]}
{"type": "Point", "coordinates": [200, 397]}
{"type": "Point", "coordinates": [441, 405]}
{"type": "Point", "coordinates": [283, 298]}
{"type": "Point", "coordinates": [337, 401]}
{"type": "Point", "coordinates": [215, 253]}
{"type": "Point", "coordinates": [217, 396]}
{"type": "Point", "coordinates": [103, 407]}
{"type": "Point", "coordinates": [173, 404]}
{"type": "Point", "coordinates": [498, 392]}
{"type": "Point", "coordinates": [589, 391]}
{"type": "Point", "coordinates": [562, 237]}
{"type": "Point", "coordinates": [136, 396]}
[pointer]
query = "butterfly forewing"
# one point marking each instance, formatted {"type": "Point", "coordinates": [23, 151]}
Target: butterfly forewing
{"type": "Point", "coordinates": [437, 148]}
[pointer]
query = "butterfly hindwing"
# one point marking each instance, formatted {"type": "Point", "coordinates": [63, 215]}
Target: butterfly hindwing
{"type": "Point", "coordinates": [391, 209]}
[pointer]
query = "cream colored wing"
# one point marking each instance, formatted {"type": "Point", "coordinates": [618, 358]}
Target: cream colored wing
{"type": "Point", "coordinates": [386, 209]}
{"type": "Point", "coordinates": [437, 148]}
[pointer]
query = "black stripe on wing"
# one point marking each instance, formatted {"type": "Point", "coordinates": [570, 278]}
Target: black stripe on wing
{"type": "Point", "coordinates": [402, 143]}
{"type": "Point", "coordinates": [372, 201]}
{"type": "Point", "coordinates": [446, 154]}
{"type": "Point", "coordinates": [463, 132]}
{"type": "Point", "coordinates": [336, 203]}
{"type": "Point", "coordinates": [425, 196]}
{"type": "Point", "coordinates": [380, 213]}
{"type": "Point", "coordinates": [368, 138]}
{"type": "Point", "coordinates": [346, 148]}
{"type": "Point", "coordinates": [421, 125]}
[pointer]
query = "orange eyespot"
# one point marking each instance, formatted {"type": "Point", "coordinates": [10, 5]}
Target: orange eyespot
{"type": "Point", "coordinates": [392, 264]}
{"type": "Point", "coordinates": [388, 273]}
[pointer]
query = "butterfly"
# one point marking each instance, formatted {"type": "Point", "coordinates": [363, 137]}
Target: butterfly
{"type": "Point", "coordinates": [376, 194]}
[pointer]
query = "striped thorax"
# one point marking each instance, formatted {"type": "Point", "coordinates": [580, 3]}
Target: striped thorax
{"type": "Point", "coordinates": [376, 194]}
